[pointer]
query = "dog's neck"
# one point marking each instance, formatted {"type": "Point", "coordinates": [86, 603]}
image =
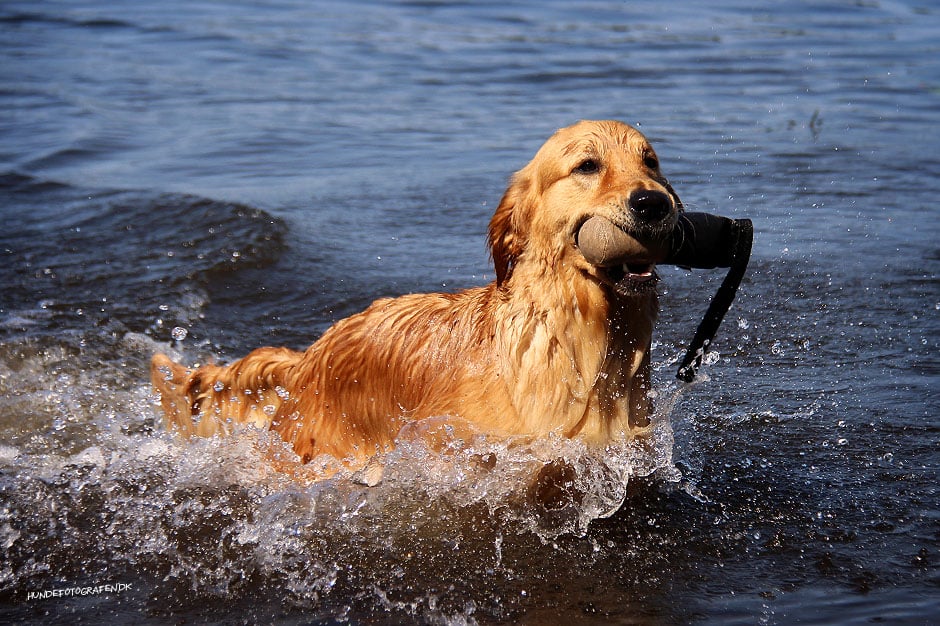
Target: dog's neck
{"type": "Point", "coordinates": [577, 358]}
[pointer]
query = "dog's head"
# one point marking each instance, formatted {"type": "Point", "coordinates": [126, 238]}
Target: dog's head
{"type": "Point", "coordinates": [605, 169]}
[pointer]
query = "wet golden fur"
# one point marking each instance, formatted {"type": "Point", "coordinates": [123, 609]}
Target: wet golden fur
{"type": "Point", "coordinates": [551, 346]}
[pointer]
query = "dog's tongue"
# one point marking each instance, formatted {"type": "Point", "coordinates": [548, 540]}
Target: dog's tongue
{"type": "Point", "coordinates": [638, 273]}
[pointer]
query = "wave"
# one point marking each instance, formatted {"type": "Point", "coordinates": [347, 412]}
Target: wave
{"type": "Point", "coordinates": [25, 17]}
{"type": "Point", "coordinates": [76, 254]}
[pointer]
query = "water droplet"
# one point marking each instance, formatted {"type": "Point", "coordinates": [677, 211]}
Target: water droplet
{"type": "Point", "coordinates": [219, 386]}
{"type": "Point", "coordinates": [269, 410]}
{"type": "Point", "coordinates": [777, 348]}
{"type": "Point", "coordinates": [743, 324]}
{"type": "Point", "coordinates": [179, 333]}
{"type": "Point", "coordinates": [282, 393]}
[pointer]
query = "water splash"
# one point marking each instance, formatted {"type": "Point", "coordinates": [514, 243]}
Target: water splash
{"type": "Point", "coordinates": [112, 494]}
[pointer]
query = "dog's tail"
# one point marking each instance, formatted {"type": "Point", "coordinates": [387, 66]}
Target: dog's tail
{"type": "Point", "coordinates": [216, 399]}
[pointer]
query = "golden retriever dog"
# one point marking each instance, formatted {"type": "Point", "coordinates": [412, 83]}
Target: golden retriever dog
{"type": "Point", "coordinates": [555, 345]}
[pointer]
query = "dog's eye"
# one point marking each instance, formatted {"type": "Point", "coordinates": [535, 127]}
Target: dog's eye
{"type": "Point", "coordinates": [588, 166]}
{"type": "Point", "coordinates": [651, 161]}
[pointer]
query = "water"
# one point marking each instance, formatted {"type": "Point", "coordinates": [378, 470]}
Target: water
{"type": "Point", "coordinates": [250, 174]}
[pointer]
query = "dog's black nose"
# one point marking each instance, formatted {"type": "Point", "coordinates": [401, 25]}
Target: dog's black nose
{"type": "Point", "coordinates": [650, 206]}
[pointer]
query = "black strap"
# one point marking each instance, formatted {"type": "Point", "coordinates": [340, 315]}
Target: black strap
{"type": "Point", "coordinates": [720, 303]}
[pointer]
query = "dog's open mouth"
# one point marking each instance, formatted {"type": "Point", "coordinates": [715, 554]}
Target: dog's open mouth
{"type": "Point", "coordinates": [623, 260]}
{"type": "Point", "coordinates": [630, 278]}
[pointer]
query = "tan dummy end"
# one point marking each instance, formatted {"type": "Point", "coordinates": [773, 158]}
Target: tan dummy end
{"type": "Point", "coordinates": [604, 244]}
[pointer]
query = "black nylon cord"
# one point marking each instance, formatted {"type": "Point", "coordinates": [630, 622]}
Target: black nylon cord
{"type": "Point", "coordinates": [720, 303]}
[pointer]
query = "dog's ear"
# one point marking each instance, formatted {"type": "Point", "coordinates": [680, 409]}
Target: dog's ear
{"type": "Point", "coordinates": [506, 236]}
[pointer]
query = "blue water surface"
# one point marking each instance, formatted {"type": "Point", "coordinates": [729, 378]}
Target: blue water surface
{"type": "Point", "coordinates": [213, 176]}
